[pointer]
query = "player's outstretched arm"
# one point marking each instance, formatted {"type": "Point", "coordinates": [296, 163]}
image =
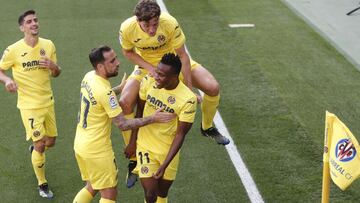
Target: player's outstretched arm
{"type": "Point", "coordinates": [10, 85]}
{"type": "Point", "coordinates": [182, 129]}
{"type": "Point", "coordinates": [49, 64]}
{"type": "Point", "coordinates": [128, 124]}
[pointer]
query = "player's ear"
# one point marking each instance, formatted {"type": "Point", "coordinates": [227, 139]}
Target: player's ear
{"type": "Point", "coordinates": [21, 27]}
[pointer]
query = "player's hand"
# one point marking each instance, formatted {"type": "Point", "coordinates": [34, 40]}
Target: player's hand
{"type": "Point", "coordinates": [47, 63]}
{"type": "Point", "coordinates": [162, 117]}
{"type": "Point", "coordinates": [159, 173]}
{"type": "Point", "coordinates": [11, 86]}
{"type": "Point", "coordinates": [130, 150]}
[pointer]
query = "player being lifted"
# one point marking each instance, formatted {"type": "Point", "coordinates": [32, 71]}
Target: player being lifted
{"type": "Point", "coordinates": [99, 108]}
{"type": "Point", "coordinates": [158, 145]}
{"type": "Point", "coordinates": [145, 38]}
{"type": "Point", "coordinates": [33, 62]}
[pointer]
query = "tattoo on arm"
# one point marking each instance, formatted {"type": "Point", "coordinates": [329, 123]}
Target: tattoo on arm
{"type": "Point", "coordinates": [125, 124]}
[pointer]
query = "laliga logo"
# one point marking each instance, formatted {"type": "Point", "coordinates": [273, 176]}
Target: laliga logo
{"type": "Point", "coordinates": [345, 150]}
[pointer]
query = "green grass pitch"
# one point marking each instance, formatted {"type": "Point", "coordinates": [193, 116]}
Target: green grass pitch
{"type": "Point", "coordinates": [277, 80]}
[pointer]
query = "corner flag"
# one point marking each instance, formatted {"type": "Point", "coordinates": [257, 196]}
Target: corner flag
{"type": "Point", "coordinates": [341, 158]}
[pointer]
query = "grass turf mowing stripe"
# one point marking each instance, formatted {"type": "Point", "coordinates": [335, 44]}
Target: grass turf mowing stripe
{"type": "Point", "coordinates": [245, 176]}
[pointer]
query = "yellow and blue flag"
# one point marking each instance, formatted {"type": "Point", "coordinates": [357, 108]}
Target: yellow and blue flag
{"type": "Point", "coordinates": [341, 152]}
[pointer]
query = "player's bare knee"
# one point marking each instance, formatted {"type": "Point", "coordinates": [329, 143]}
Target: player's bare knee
{"type": "Point", "coordinates": [50, 142]}
{"type": "Point", "coordinates": [212, 89]}
{"type": "Point", "coordinates": [150, 196]}
{"type": "Point", "coordinates": [39, 145]}
{"type": "Point", "coordinates": [90, 189]}
{"type": "Point", "coordinates": [109, 193]}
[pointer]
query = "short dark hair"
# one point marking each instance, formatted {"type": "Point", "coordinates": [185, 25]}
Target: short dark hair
{"type": "Point", "coordinates": [173, 61]}
{"type": "Point", "coordinates": [26, 13]}
{"type": "Point", "coordinates": [96, 55]}
{"type": "Point", "coordinates": [145, 10]}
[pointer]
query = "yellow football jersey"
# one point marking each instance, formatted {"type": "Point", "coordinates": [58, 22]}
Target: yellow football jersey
{"type": "Point", "coordinates": [169, 37]}
{"type": "Point", "coordinates": [34, 87]}
{"type": "Point", "coordinates": [98, 105]}
{"type": "Point", "coordinates": [158, 137]}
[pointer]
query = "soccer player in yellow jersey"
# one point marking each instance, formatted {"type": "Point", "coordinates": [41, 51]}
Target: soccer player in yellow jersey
{"type": "Point", "coordinates": [158, 144]}
{"type": "Point", "coordinates": [33, 62]}
{"type": "Point", "coordinates": [145, 38]}
{"type": "Point", "coordinates": [99, 108]}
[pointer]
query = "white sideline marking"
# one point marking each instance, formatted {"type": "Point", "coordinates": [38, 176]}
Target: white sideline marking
{"type": "Point", "coordinates": [241, 25]}
{"type": "Point", "coordinates": [245, 176]}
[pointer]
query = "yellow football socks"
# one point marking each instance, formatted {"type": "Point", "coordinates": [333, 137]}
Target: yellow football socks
{"type": "Point", "coordinates": [208, 109]}
{"type": "Point", "coordinates": [83, 196]}
{"type": "Point", "coordinates": [38, 162]}
{"type": "Point", "coordinates": [161, 199]}
{"type": "Point", "coordinates": [103, 200]}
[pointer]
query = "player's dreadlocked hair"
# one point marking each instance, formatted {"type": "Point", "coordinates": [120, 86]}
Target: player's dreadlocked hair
{"type": "Point", "coordinates": [145, 10]}
{"type": "Point", "coordinates": [173, 61]}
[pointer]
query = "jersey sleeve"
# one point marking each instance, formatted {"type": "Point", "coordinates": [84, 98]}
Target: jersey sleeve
{"type": "Point", "coordinates": [124, 39]}
{"type": "Point", "coordinates": [187, 113]}
{"type": "Point", "coordinates": [6, 60]}
{"type": "Point", "coordinates": [53, 53]}
{"type": "Point", "coordinates": [177, 35]}
{"type": "Point", "coordinates": [109, 102]}
{"type": "Point", "coordinates": [143, 87]}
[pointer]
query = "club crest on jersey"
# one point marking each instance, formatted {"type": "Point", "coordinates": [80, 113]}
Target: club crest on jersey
{"type": "Point", "coordinates": [42, 52]}
{"type": "Point", "coordinates": [36, 133]}
{"type": "Point", "coordinates": [112, 102]}
{"type": "Point", "coordinates": [144, 170]}
{"type": "Point", "coordinates": [161, 39]}
{"type": "Point", "coordinates": [171, 100]}
{"type": "Point", "coordinates": [345, 150]}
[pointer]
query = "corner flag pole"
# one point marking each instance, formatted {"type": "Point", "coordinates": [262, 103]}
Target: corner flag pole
{"type": "Point", "coordinates": [325, 196]}
{"type": "Point", "coordinates": [325, 183]}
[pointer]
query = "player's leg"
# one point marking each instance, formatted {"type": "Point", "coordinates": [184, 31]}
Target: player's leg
{"type": "Point", "coordinates": [128, 99]}
{"type": "Point", "coordinates": [148, 164]}
{"type": "Point", "coordinates": [103, 173]}
{"type": "Point", "coordinates": [150, 186]}
{"type": "Point", "coordinates": [86, 194]}
{"type": "Point", "coordinates": [33, 121]}
{"type": "Point", "coordinates": [163, 189]}
{"type": "Point", "coordinates": [50, 128]}
{"type": "Point", "coordinates": [165, 182]}
{"type": "Point", "coordinates": [206, 82]}
{"type": "Point", "coordinates": [108, 195]}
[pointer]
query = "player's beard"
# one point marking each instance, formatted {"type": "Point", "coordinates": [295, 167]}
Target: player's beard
{"type": "Point", "coordinates": [109, 75]}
